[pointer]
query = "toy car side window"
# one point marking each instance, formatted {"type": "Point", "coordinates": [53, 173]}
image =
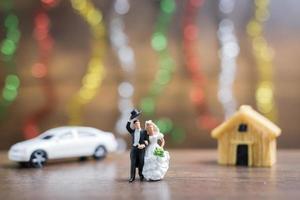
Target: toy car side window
{"type": "Point", "coordinates": [82, 134]}
{"type": "Point", "coordinates": [66, 135]}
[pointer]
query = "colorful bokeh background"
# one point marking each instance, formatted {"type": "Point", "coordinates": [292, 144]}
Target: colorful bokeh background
{"type": "Point", "coordinates": [71, 62]}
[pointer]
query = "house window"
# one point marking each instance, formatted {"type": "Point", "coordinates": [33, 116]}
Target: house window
{"type": "Point", "coordinates": [243, 128]}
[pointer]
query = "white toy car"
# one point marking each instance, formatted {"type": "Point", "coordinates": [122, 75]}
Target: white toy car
{"type": "Point", "coordinates": [63, 142]}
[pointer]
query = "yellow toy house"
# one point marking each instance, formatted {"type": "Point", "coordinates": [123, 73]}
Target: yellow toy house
{"type": "Point", "coordinates": [247, 138]}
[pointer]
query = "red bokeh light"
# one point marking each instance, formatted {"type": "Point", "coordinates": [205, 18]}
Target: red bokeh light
{"type": "Point", "coordinates": [30, 130]}
{"type": "Point", "coordinates": [190, 32]}
{"type": "Point", "coordinates": [207, 122]}
{"type": "Point", "coordinates": [49, 3]}
{"type": "Point", "coordinates": [196, 3]}
{"type": "Point", "coordinates": [39, 70]}
{"type": "Point", "coordinates": [197, 96]}
{"type": "Point", "coordinates": [193, 65]}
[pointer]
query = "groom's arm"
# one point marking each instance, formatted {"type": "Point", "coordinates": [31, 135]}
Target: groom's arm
{"type": "Point", "coordinates": [145, 142]}
{"type": "Point", "coordinates": [128, 127]}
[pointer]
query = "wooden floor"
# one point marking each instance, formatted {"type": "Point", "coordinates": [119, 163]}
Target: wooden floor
{"type": "Point", "coordinates": [193, 174]}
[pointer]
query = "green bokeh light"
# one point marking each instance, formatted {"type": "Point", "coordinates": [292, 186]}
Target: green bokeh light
{"type": "Point", "coordinates": [14, 35]}
{"type": "Point", "coordinates": [148, 105]}
{"type": "Point", "coordinates": [178, 135]}
{"type": "Point", "coordinates": [9, 95]}
{"type": "Point", "coordinates": [168, 6]}
{"type": "Point", "coordinates": [11, 21]}
{"type": "Point", "coordinates": [155, 89]}
{"type": "Point", "coordinates": [159, 41]}
{"type": "Point", "coordinates": [167, 63]}
{"type": "Point", "coordinates": [8, 47]}
{"type": "Point", "coordinates": [163, 76]}
{"type": "Point", "coordinates": [165, 125]}
{"type": "Point", "coordinates": [12, 81]}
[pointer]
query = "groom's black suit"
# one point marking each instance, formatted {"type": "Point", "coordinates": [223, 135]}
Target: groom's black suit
{"type": "Point", "coordinates": [137, 155]}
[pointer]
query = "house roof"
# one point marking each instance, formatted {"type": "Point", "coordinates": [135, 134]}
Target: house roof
{"type": "Point", "coordinates": [247, 112]}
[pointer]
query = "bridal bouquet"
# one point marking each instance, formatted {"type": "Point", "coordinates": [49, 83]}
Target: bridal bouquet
{"type": "Point", "coordinates": [159, 152]}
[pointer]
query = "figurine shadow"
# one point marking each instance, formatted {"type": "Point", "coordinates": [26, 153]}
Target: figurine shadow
{"type": "Point", "coordinates": [122, 180]}
{"type": "Point", "coordinates": [154, 180]}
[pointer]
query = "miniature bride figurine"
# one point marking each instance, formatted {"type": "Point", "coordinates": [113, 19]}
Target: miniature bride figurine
{"type": "Point", "coordinates": [156, 162]}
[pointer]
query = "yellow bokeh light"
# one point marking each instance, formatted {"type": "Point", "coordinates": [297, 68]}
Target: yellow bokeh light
{"type": "Point", "coordinates": [263, 55]}
{"type": "Point", "coordinates": [95, 72]}
{"type": "Point", "coordinates": [254, 28]}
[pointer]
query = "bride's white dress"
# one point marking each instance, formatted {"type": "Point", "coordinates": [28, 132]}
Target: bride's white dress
{"type": "Point", "coordinates": [155, 167]}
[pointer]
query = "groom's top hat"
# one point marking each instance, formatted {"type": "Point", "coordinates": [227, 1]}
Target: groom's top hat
{"type": "Point", "coordinates": [135, 113]}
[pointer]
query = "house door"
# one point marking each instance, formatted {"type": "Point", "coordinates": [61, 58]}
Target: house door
{"type": "Point", "coordinates": [242, 155]}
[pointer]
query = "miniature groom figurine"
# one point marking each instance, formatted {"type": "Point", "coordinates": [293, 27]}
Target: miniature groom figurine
{"type": "Point", "coordinates": [140, 140]}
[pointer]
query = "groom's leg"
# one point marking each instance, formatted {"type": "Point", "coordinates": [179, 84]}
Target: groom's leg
{"type": "Point", "coordinates": [141, 162]}
{"type": "Point", "coordinates": [133, 158]}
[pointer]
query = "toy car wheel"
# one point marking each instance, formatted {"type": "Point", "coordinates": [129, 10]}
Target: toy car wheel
{"type": "Point", "coordinates": [38, 158]}
{"type": "Point", "coordinates": [100, 152]}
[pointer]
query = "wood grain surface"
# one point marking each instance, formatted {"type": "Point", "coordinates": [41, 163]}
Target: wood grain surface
{"type": "Point", "coordinates": [193, 174]}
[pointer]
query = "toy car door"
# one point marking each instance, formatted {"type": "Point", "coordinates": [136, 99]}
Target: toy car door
{"type": "Point", "coordinates": [64, 145]}
{"type": "Point", "coordinates": [86, 142]}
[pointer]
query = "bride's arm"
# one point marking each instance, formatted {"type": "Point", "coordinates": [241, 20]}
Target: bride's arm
{"type": "Point", "coordinates": [162, 140]}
